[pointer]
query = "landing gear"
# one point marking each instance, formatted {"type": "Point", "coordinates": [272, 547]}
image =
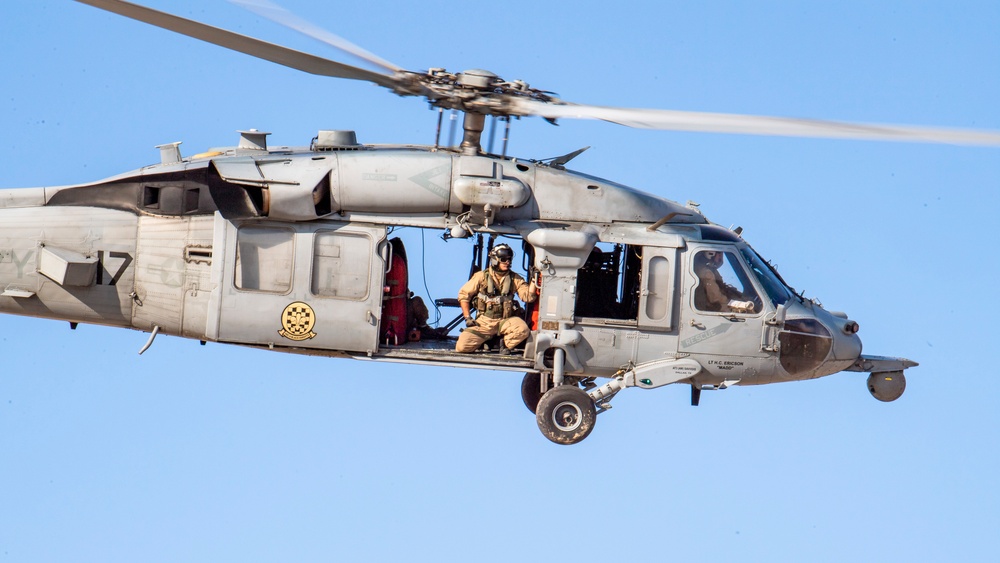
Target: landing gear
{"type": "Point", "coordinates": [566, 414]}
{"type": "Point", "coordinates": [531, 391]}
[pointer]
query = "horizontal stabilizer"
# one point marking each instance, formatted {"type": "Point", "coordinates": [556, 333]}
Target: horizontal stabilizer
{"type": "Point", "coordinates": [879, 364]}
{"type": "Point", "coordinates": [14, 291]}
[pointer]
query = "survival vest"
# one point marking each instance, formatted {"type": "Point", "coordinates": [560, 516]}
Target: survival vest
{"type": "Point", "coordinates": [494, 302]}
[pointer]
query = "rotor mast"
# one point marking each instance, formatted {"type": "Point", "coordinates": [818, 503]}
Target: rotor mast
{"type": "Point", "coordinates": [477, 93]}
{"type": "Point", "coordinates": [473, 125]}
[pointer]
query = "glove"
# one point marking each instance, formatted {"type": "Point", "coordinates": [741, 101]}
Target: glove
{"type": "Point", "coordinates": [536, 277]}
{"type": "Point", "coordinates": [741, 306]}
{"type": "Point", "coordinates": [470, 322]}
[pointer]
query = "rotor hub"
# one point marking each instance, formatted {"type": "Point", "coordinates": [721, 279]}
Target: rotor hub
{"type": "Point", "coordinates": [476, 78]}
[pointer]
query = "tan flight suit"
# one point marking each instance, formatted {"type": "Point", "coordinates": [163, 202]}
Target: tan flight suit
{"type": "Point", "coordinates": [490, 316]}
{"type": "Point", "coordinates": [712, 293]}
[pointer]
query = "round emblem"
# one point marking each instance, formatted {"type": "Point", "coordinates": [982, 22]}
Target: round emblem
{"type": "Point", "coordinates": [297, 321]}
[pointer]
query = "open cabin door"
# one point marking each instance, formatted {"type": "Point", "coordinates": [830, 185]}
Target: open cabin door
{"type": "Point", "coordinates": [307, 285]}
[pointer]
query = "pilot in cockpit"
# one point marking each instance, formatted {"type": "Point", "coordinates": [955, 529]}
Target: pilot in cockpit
{"type": "Point", "coordinates": [713, 293]}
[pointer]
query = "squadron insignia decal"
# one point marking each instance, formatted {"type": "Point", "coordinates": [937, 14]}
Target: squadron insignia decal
{"type": "Point", "coordinates": [297, 321]}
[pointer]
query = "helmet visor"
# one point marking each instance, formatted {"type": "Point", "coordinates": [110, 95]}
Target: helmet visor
{"type": "Point", "coordinates": [504, 254]}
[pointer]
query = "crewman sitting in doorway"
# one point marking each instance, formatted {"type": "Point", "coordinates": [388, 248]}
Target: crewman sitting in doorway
{"type": "Point", "coordinates": [492, 292]}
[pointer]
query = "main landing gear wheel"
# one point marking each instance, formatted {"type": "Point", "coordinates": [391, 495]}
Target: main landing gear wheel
{"type": "Point", "coordinates": [531, 391]}
{"type": "Point", "coordinates": [566, 414]}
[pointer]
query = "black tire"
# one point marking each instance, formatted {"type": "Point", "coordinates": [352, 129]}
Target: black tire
{"type": "Point", "coordinates": [531, 391]}
{"type": "Point", "coordinates": [566, 414]}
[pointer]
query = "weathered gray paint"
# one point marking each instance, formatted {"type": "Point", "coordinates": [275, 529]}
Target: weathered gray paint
{"type": "Point", "coordinates": [255, 317]}
{"type": "Point", "coordinates": [86, 231]}
{"type": "Point", "coordinates": [171, 286]}
{"type": "Point", "coordinates": [182, 275]}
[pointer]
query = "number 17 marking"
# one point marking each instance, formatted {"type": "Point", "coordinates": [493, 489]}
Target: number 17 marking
{"type": "Point", "coordinates": [127, 259]}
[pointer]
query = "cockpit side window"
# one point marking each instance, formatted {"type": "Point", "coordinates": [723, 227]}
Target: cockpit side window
{"type": "Point", "coordinates": [775, 289]}
{"type": "Point", "coordinates": [723, 284]}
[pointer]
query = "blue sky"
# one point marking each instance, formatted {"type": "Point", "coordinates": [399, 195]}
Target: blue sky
{"type": "Point", "coordinates": [217, 453]}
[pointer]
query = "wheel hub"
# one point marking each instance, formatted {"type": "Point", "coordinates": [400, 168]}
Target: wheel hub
{"type": "Point", "coordinates": [567, 416]}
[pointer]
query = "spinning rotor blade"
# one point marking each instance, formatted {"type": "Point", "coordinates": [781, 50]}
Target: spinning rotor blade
{"type": "Point", "coordinates": [483, 93]}
{"type": "Point", "coordinates": [279, 15]}
{"type": "Point", "coordinates": [248, 45]}
{"type": "Point", "coordinates": [754, 125]}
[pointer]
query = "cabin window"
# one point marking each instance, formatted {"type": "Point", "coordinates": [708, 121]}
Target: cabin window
{"type": "Point", "coordinates": [341, 265]}
{"type": "Point", "coordinates": [607, 286]}
{"type": "Point", "coordinates": [723, 284]}
{"type": "Point", "coordinates": [264, 259]}
{"type": "Point", "coordinates": [658, 297]}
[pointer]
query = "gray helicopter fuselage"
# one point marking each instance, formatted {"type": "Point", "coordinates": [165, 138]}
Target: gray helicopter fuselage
{"type": "Point", "coordinates": [287, 249]}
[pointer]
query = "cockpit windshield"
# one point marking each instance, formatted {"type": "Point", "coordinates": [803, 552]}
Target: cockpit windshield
{"type": "Point", "coordinates": [776, 290]}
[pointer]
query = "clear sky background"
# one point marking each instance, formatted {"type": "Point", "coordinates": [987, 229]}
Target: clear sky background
{"type": "Point", "coordinates": [219, 453]}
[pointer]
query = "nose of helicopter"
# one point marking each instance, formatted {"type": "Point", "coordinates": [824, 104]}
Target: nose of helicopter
{"type": "Point", "coordinates": [846, 343]}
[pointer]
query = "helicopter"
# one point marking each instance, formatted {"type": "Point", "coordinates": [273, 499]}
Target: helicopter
{"type": "Point", "coordinates": [289, 249]}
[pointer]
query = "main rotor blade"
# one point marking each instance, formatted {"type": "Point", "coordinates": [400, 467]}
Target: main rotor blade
{"type": "Point", "coordinates": [755, 125]}
{"type": "Point", "coordinates": [241, 43]}
{"type": "Point", "coordinates": [282, 16]}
